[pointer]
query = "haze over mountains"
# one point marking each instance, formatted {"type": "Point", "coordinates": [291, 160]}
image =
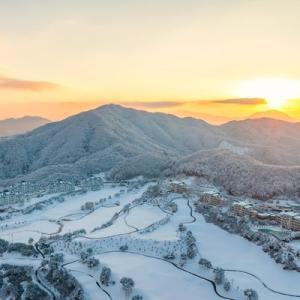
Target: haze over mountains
{"type": "Point", "coordinates": [253, 157]}
{"type": "Point", "coordinates": [272, 114]}
{"type": "Point", "coordinates": [12, 126]}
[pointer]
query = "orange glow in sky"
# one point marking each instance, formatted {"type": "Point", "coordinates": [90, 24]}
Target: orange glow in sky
{"type": "Point", "coordinates": [191, 58]}
{"type": "Point", "coordinates": [276, 91]}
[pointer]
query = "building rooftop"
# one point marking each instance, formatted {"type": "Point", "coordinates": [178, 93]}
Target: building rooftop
{"type": "Point", "coordinates": [245, 203]}
{"type": "Point", "coordinates": [292, 214]}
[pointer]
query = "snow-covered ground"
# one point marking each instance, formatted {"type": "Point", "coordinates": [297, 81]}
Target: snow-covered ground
{"type": "Point", "coordinates": [34, 229]}
{"type": "Point", "coordinates": [15, 259]}
{"type": "Point", "coordinates": [72, 205]}
{"type": "Point", "coordinates": [233, 252]}
{"type": "Point", "coordinates": [169, 230]}
{"type": "Point", "coordinates": [69, 213]}
{"type": "Point", "coordinates": [90, 221]}
{"type": "Point", "coordinates": [296, 244]}
{"type": "Point", "coordinates": [91, 289]}
{"type": "Point", "coordinates": [154, 279]}
{"type": "Point", "coordinates": [144, 215]}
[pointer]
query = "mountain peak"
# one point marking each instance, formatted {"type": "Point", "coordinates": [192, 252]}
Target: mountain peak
{"type": "Point", "coordinates": [110, 106]}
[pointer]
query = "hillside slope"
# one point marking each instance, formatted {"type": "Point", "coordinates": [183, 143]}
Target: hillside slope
{"type": "Point", "coordinates": [101, 139]}
{"type": "Point", "coordinates": [241, 174]}
{"type": "Point", "coordinates": [268, 140]}
{"type": "Point", "coordinates": [128, 143]}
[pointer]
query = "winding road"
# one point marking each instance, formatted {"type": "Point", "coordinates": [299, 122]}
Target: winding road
{"type": "Point", "coordinates": [50, 293]}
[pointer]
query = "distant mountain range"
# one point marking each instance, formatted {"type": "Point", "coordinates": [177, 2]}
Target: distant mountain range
{"type": "Point", "coordinates": [272, 114]}
{"type": "Point", "coordinates": [12, 126]}
{"type": "Point", "coordinates": [268, 114]}
{"type": "Point", "coordinates": [253, 157]}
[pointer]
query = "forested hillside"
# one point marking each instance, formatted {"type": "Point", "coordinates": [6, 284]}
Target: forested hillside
{"type": "Point", "coordinates": [252, 156]}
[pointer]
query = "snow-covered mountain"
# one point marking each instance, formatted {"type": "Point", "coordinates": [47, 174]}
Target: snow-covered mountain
{"type": "Point", "coordinates": [270, 141]}
{"type": "Point", "coordinates": [130, 142]}
{"type": "Point", "coordinates": [12, 126]}
{"type": "Point", "coordinates": [241, 174]}
{"type": "Point", "coordinates": [101, 139]}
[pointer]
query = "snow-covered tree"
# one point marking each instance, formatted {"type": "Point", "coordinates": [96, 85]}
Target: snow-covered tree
{"type": "Point", "coordinates": [127, 285]}
{"type": "Point", "coordinates": [227, 286]}
{"type": "Point", "coordinates": [205, 263]}
{"type": "Point", "coordinates": [251, 294]}
{"type": "Point", "coordinates": [219, 276]}
{"type": "Point", "coordinates": [92, 262]}
{"type": "Point", "coordinates": [105, 276]}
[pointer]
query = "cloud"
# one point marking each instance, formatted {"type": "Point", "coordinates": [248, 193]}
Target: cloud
{"type": "Point", "coordinates": [8, 83]}
{"type": "Point", "coordinates": [157, 104]}
{"type": "Point", "coordinates": [170, 104]}
{"type": "Point", "coordinates": [242, 101]}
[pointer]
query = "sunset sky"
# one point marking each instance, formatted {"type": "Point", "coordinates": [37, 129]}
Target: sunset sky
{"type": "Point", "coordinates": [226, 58]}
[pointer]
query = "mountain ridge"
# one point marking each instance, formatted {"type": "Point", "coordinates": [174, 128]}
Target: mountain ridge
{"type": "Point", "coordinates": [125, 142]}
{"type": "Point", "coordinates": [272, 114]}
{"type": "Point", "coordinates": [14, 126]}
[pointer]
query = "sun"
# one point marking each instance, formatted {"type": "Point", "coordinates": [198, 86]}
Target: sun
{"type": "Point", "coordinates": [276, 91]}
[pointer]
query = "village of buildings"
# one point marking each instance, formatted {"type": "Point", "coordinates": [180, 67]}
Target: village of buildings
{"type": "Point", "coordinates": [274, 225]}
{"type": "Point", "coordinates": [283, 214]}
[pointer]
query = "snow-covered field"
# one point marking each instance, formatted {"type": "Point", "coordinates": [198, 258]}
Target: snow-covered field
{"type": "Point", "coordinates": [296, 244]}
{"type": "Point", "coordinates": [144, 215]}
{"type": "Point", "coordinates": [69, 213]}
{"type": "Point", "coordinates": [245, 264]}
{"type": "Point", "coordinates": [72, 204]}
{"type": "Point", "coordinates": [34, 229]}
{"type": "Point", "coordinates": [154, 279]}
{"type": "Point", "coordinates": [169, 230]}
{"type": "Point", "coordinates": [233, 252]}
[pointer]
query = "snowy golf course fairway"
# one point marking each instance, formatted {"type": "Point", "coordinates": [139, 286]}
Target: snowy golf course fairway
{"type": "Point", "coordinates": [149, 232]}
